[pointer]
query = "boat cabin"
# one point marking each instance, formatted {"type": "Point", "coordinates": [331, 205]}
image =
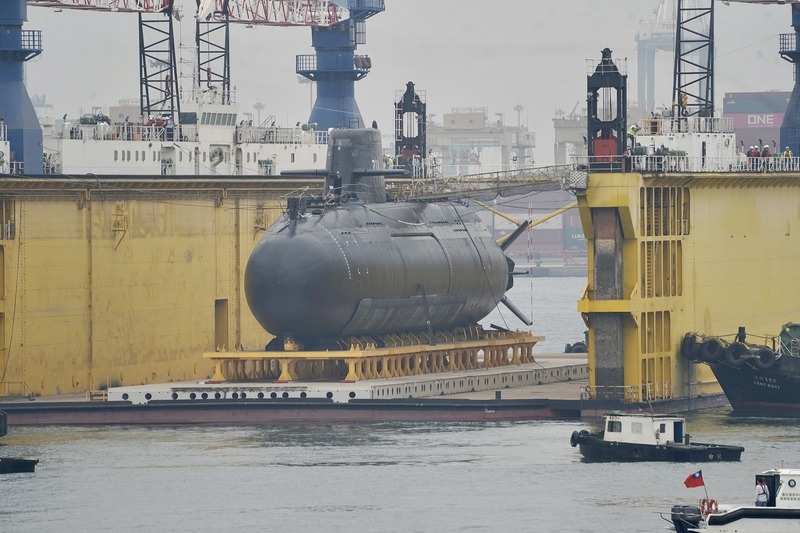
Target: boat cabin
{"type": "Point", "coordinates": [644, 429]}
{"type": "Point", "coordinates": [784, 487]}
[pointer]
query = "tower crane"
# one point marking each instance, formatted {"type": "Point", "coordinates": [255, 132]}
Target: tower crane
{"type": "Point", "coordinates": [693, 90]}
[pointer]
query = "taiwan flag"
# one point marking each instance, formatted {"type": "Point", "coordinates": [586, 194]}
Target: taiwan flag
{"type": "Point", "coordinates": [695, 480]}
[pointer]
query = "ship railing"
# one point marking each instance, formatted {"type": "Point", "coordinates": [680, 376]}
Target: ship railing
{"type": "Point", "coordinates": [274, 135]}
{"type": "Point", "coordinates": [17, 389]}
{"type": "Point", "coordinates": [131, 132]}
{"type": "Point", "coordinates": [627, 393]}
{"type": "Point", "coordinates": [15, 167]}
{"type": "Point", "coordinates": [683, 163]}
{"type": "Point", "coordinates": [672, 125]}
{"type": "Point", "coordinates": [442, 179]}
{"type": "Point", "coordinates": [208, 94]}
{"type": "Point", "coordinates": [737, 163]}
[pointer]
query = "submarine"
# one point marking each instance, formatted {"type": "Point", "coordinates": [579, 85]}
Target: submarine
{"type": "Point", "coordinates": [353, 261]}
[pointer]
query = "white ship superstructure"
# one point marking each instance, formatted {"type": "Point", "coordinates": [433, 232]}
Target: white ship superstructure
{"type": "Point", "coordinates": [209, 138]}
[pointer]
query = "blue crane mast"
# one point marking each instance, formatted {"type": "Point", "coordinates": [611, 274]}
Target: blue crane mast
{"type": "Point", "coordinates": [18, 122]}
{"type": "Point", "coordinates": [335, 67]}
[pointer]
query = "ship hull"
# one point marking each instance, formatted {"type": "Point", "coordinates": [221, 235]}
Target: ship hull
{"type": "Point", "coordinates": [595, 449]}
{"type": "Point", "coordinates": [774, 391]}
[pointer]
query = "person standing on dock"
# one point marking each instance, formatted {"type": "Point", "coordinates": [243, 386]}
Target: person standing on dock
{"type": "Point", "coordinates": [762, 494]}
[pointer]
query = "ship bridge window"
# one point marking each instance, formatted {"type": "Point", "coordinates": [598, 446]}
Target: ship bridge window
{"type": "Point", "coordinates": [614, 426]}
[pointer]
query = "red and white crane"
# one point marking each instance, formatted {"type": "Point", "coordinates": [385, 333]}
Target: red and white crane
{"type": "Point", "coordinates": [158, 66]}
{"type": "Point", "coordinates": [262, 12]}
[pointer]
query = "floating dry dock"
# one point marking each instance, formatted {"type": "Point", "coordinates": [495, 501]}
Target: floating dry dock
{"type": "Point", "coordinates": [554, 386]}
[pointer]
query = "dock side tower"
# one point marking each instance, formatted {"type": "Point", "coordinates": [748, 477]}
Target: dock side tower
{"type": "Point", "coordinates": [606, 107]}
{"type": "Point", "coordinates": [335, 66]}
{"type": "Point", "coordinates": [18, 123]}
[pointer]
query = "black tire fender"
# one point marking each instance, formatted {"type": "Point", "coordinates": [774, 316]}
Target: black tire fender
{"type": "Point", "coordinates": [736, 353]}
{"type": "Point", "coordinates": [579, 347]}
{"type": "Point", "coordinates": [711, 350]}
{"type": "Point", "coordinates": [764, 358]}
{"type": "Point", "coordinates": [690, 348]}
{"type": "Point", "coordinates": [568, 348]}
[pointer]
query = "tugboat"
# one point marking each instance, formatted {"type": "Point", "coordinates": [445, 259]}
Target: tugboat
{"type": "Point", "coordinates": [648, 437]}
{"type": "Point", "coordinates": [756, 378]}
{"type": "Point", "coordinates": [13, 465]}
{"type": "Point", "coordinates": [782, 512]}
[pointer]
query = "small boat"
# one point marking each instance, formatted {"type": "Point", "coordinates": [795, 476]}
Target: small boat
{"type": "Point", "coordinates": [12, 465]}
{"type": "Point", "coordinates": [782, 512]}
{"type": "Point", "coordinates": [648, 437]}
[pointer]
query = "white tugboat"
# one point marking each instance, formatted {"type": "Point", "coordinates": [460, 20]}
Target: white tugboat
{"type": "Point", "coordinates": [781, 513]}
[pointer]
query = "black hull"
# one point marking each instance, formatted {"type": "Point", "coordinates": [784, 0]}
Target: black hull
{"type": "Point", "coordinates": [13, 465]}
{"type": "Point", "coordinates": [594, 449]}
{"type": "Point", "coordinates": [774, 391]}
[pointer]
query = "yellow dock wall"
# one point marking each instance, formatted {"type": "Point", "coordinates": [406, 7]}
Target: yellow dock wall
{"type": "Point", "coordinates": [703, 252]}
{"type": "Point", "coordinates": [115, 290]}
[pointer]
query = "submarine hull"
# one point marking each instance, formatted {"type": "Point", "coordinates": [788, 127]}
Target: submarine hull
{"type": "Point", "coordinates": [359, 269]}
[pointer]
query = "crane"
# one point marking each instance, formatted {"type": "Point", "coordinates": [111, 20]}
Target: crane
{"type": "Point", "coordinates": [271, 12]}
{"type": "Point", "coordinates": [335, 67]}
{"type": "Point", "coordinates": [158, 69]}
{"type": "Point", "coordinates": [653, 36]}
{"type": "Point", "coordinates": [693, 92]}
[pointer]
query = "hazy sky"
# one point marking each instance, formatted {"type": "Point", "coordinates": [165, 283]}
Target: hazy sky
{"type": "Point", "coordinates": [461, 53]}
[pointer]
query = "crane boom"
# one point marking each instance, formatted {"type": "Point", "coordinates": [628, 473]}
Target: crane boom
{"type": "Point", "coordinates": [125, 6]}
{"type": "Point", "coordinates": [283, 12]}
{"type": "Point", "coordinates": [262, 12]}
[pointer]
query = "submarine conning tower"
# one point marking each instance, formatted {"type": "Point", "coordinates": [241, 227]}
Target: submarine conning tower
{"type": "Point", "coordinates": [607, 122]}
{"type": "Point", "coordinates": [790, 127]}
{"type": "Point", "coordinates": [355, 160]}
{"type": "Point", "coordinates": [18, 122]}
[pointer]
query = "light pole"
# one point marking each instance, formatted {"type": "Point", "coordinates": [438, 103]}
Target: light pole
{"type": "Point", "coordinates": [520, 157]}
{"type": "Point", "coordinates": [258, 106]}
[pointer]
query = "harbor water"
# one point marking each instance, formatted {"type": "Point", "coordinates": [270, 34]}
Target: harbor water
{"type": "Point", "coordinates": [382, 477]}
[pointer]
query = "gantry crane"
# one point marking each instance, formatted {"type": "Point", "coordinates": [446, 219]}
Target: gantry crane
{"type": "Point", "coordinates": [653, 36]}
